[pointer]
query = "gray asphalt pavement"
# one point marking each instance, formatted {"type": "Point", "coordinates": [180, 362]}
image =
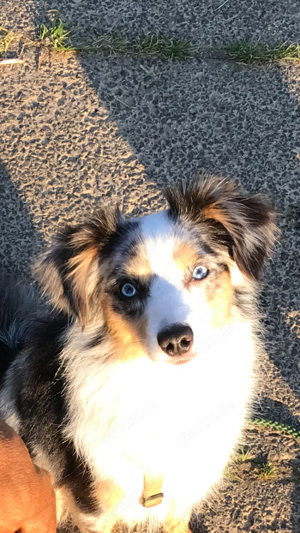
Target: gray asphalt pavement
{"type": "Point", "coordinates": [209, 22]}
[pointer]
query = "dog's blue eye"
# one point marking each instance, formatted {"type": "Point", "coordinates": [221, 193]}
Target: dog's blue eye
{"type": "Point", "coordinates": [128, 290]}
{"type": "Point", "coordinates": [200, 272]}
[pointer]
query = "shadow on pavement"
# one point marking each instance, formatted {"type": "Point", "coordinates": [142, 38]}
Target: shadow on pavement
{"type": "Point", "coordinates": [19, 239]}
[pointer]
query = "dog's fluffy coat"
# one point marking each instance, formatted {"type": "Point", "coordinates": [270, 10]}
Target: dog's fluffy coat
{"type": "Point", "coordinates": [88, 388]}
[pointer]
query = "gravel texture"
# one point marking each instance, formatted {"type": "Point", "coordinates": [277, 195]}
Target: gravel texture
{"type": "Point", "coordinates": [75, 132]}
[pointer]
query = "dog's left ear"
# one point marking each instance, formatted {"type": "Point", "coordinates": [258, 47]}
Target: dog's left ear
{"type": "Point", "coordinates": [245, 224]}
{"type": "Point", "coordinates": [68, 272]}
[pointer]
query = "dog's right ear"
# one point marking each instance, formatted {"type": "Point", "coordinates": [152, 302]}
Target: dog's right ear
{"type": "Point", "coordinates": [68, 271]}
{"type": "Point", "coordinates": [244, 224]}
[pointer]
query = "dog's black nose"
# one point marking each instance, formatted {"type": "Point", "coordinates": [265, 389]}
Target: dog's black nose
{"type": "Point", "coordinates": [176, 339]}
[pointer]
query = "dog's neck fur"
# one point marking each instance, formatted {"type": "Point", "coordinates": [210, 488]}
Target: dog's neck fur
{"type": "Point", "coordinates": [137, 410]}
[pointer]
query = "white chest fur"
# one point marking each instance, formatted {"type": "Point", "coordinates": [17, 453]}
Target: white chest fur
{"type": "Point", "coordinates": [177, 421]}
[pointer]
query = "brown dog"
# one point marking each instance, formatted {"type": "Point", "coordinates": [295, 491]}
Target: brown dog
{"type": "Point", "coordinates": [27, 499]}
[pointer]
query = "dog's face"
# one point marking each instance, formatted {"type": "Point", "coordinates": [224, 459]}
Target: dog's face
{"type": "Point", "coordinates": [166, 282]}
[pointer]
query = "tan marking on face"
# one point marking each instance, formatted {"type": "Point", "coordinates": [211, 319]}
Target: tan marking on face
{"type": "Point", "coordinates": [139, 265]}
{"type": "Point", "coordinates": [129, 337]}
{"type": "Point", "coordinates": [185, 255]}
{"type": "Point", "coordinates": [221, 300]}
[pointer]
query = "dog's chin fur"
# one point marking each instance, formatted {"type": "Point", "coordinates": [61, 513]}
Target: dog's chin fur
{"type": "Point", "coordinates": [89, 389]}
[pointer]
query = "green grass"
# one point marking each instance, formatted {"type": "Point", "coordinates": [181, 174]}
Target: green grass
{"type": "Point", "coordinates": [247, 52]}
{"type": "Point", "coordinates": [107, 44]}
{"type": "Point", "coordinates": [277, 426]}
{"type": "Point", "coordinates": [157, 46]}
{"type": "Point", "coordinates": [265, 471]}
{"type": "Point", "coordinates": [164, 47]}
{"type": "Point", "coordinates": [242, 455]}
{"type": "Point", "coordinates": [232, 474]}
{"type": "Point", "coordinates": [56, 36]}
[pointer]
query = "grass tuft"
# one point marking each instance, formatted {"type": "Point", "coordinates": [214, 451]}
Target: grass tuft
{"type": "Point", "coordinates": [145, 46]}
{"type": "Point", "coordinates": [231, 474]}
{"type": "Point", "coordinates": [265, 471]}
{"type": "Point", "coordinates": [56, 36]}
{"type": "Point", "coordinates": [242, 455]}
{"type": "Point", "coordinates": [6, 38]}
{"type": "Point", "coordinates": [246, 52]}
{"type": "Point", "coordinates": [107, 44]}
{"type": "Point", "coordinates": [163, 47]}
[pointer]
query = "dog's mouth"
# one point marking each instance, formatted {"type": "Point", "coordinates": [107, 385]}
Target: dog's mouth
{"type": "Point", "coordinates": [182, 359]}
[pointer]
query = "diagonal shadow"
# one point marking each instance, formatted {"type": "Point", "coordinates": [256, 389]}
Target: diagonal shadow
{"type": "Point", "coordinates": [19, 239]}
{"type": "Point", "coordinates": [233, 121]}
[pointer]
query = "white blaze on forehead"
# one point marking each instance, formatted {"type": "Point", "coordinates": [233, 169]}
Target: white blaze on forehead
{"type": "Point", "coordinates": [170, 302]}
{"type": "Point", "coordinates": [160, 235]}
{"type": "Point", "coordinates": [166, 304]}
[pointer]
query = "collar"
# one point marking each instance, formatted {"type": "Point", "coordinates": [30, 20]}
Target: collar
{"type": "Point", "coordinates": [152, 491]}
